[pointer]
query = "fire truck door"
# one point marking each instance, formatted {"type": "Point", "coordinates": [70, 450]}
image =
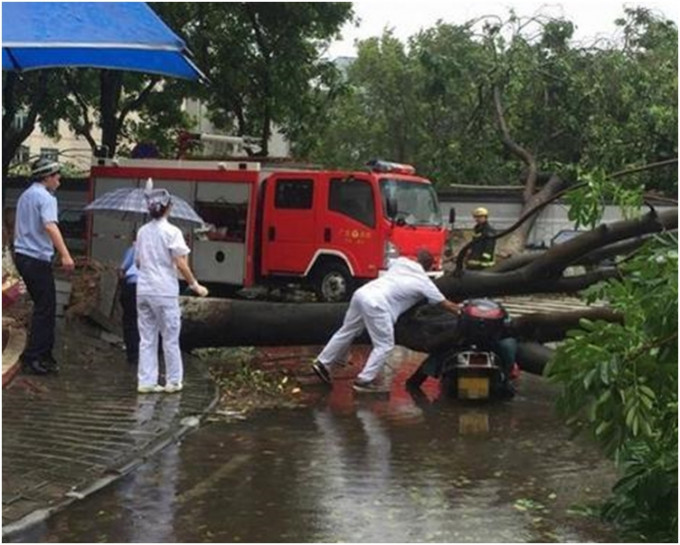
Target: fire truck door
{"type": "Point", "coordinates": [350, 226]}
{"type": "Point", "coordinates": [289, 223]}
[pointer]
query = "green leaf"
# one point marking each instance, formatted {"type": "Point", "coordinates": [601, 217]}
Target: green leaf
{"type": "Point", "coordinates": [647, 391]}
{"type": "Point", "coordinates": [603, 427]}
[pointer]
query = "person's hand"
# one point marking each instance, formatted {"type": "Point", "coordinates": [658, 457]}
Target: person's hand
{"type": "Point", "coordinates": [67, 263]}
{"type": "Point", "coordinates": [198, 289]}
{"type": "Point", "coordinates": [201, 291]}
{"type": "Point", "coordinates": [452, 307]}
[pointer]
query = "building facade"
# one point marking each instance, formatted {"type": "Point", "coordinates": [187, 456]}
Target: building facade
{"type": "Point", "coordinates": [75, 152]}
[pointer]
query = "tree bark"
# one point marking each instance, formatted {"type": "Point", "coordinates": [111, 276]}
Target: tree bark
{"type": "Point", "coordinates": [229, 322]}
{"type": "Point", "coordinates": [622, 248]}
{"type": "Point", "coordinates": [533, 357]}
{"type": "Point", "coordinates": [515, 242]}
{"type": "Point", "coordinates": [111, 87]}
{"type": "Point", "coordinates": [11, 138]}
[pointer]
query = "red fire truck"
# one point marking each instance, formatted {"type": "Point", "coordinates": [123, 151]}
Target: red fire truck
{"type": "Point", "coordinates": [331, 230]}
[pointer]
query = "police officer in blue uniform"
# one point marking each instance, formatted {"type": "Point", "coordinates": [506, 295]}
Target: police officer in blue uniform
{"type": "Point", "coordinates": [128, 274]}
{"type": "Point", "coordinates": [36, 236]}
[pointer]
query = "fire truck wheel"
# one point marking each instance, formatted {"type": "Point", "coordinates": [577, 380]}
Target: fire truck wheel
{"type": "Point", "coordinates": [333, 283]}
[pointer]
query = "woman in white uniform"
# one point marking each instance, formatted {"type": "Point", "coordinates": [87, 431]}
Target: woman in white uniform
{"type": "Point", "coordinates": [376, 306]}
{"type": "Point", "coordinates": [160, 252]}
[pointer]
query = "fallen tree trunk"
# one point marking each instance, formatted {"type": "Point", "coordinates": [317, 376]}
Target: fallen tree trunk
{"type": "Point", "coordinates": [533, 357]}
{"type": "Point", "coordinates": [228, 322]}
{"type": "Point", "coordinates": [622, 248]}
{"type": "Point", "coordinates": [224, 322]}
{"type": "Point", "coordinates": [544, 273]}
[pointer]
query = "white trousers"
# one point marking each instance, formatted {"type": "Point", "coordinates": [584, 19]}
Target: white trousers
{"type": "Point", "coordinates": [365, 312]}
{"type": "Point", "coordinates": [158, 315]}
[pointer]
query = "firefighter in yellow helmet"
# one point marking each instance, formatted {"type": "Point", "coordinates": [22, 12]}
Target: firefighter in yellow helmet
{"type": "Point", "coordinates": [480, 255]}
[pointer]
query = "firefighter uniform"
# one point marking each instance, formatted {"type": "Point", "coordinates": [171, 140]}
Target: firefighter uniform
{"type": "Point", "coordinates": [481, 254]}
{"type": "Point", "coordinates": [376, 306]}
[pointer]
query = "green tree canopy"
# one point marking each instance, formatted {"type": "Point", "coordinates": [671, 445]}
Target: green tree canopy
{"type": "Point", "coordinates": [431, 101]}
{"type": "Point", "coordinates": [263, 59]}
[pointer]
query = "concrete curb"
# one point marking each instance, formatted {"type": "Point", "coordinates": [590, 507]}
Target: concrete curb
{"type": "Point", "coordinates": [186, 424]}
{"type": "Point", "coordinates": [12, 352]}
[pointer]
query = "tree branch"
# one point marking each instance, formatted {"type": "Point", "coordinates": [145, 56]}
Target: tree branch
{"type": "Point", "coordinates": [544, 271]}
{"type": "Point", "coordinates": [619, 248]}
{"type": "Point", "coordinates": [642, 168]}
{"type": "Point", "coordinates": [10, 106]}
{"type": "Point", "coordinates": [12, 139]}
{"type": "Point", "coordinates": [134, 104]}
{"type": "Point", "coordinates": [513, 147]}
{"type": "Point", "coordinates": [555, 260]}
{"type": "Point", "coordinates": [524, 217]}
{"type": "Point", "coordinates": [85, 129]}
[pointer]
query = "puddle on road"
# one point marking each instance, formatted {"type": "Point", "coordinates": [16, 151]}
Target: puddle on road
{"type": "Point", "coordinates": [361, 469]}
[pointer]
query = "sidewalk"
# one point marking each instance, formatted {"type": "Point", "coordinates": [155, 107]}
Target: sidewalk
{"type": "Point", "coordinates": [65, 436]}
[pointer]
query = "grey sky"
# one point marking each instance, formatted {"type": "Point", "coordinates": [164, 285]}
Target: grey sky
{"type": "Point", "coordinates": [591, 17]}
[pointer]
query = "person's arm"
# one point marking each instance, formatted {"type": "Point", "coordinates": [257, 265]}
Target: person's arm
{"type": "Point", "coordinates": [128, 260]}
{"type": "Point", "coordinates": [54, 233]}
{"type": "Point", "coordinates": [434, 295]}
{"type": "Point", "coordinates": [450, 306]}
{"type": "Point", "coordinates": [488, 244]}
{"type": "Point", "coordinates": [183, 265]}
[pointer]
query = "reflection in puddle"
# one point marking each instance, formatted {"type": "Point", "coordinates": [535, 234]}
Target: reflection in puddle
{"type": "Point", "coordinates": [403, 467]}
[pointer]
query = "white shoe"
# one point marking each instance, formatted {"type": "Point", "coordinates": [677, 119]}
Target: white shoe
{"type": "Point", "coordinates": [172, 388]}
{"type": "Point", "coordinates": [155, 389]}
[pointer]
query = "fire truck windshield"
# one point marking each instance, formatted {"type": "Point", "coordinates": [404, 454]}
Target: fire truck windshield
{"type": "Point", "coordinates": [416, 201]}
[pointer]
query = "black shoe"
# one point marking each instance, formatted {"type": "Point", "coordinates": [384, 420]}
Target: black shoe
{"type": "Point", "coordinates": [507, 390]}
{"type": "Point", "coordinates": [35, 367]}
{"type": "Point", "coordinates": [368, 387]}
{"type": "Point", "coordinates": [321, 372]}
{"type": "Point", "coordinates": [415, 381]}
{"type": "Point", "coordinates": [50, 363]}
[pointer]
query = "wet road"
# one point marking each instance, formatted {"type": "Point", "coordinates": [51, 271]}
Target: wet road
{"type": "Point", "coordinates": [363, 469]}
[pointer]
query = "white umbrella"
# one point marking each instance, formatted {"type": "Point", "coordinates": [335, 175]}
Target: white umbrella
{"type": "Point", "coordinates": [130, 203]}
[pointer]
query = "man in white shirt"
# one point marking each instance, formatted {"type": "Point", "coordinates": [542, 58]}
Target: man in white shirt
{"type": "Point", "coordinates": [376, 306]}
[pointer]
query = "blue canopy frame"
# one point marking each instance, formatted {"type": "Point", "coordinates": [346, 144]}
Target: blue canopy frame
{"type": "Point", "coordinates": [108, 35]}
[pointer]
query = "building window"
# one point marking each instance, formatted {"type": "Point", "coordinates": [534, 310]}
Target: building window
{"type": "Point", "coordinates": [296, 194]}
{"type": "Point", "coordinates": [49, 153]}
{"type": "Point", "coordinates": [353, 198]}
{"type": "Point", "coordinates": [22, 156]}
{"type": "Point", "coordinates": [19, 120]}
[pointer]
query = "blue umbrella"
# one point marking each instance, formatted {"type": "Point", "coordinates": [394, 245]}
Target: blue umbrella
{"type": "Point", "coordinates": [108, 35]}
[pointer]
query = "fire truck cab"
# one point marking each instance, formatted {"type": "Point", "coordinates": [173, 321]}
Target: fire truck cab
{"type": "Point", "coordinates": [330, 230]}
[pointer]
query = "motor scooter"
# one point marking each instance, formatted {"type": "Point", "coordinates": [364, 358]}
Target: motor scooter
{"type": "Point", "coordinates": [480, 362]}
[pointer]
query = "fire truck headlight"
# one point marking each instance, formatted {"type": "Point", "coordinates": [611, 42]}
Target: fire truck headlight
{"type": "Point", "coordinates": [391, 252]}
